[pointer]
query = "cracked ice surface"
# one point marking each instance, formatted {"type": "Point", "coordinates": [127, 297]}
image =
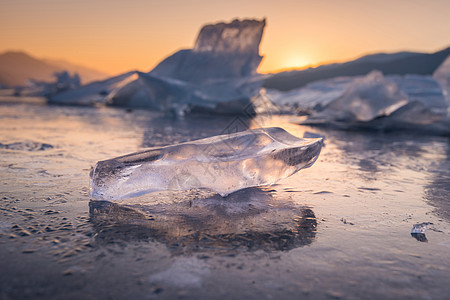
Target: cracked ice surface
{"type": "Point", "coordinates": [224, 164]}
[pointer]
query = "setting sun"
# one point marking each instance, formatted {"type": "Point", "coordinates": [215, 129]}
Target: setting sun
{"type": "Point", "coordinates": [294, 62]}
{"type": "Point", "coordinates": [122, 36]}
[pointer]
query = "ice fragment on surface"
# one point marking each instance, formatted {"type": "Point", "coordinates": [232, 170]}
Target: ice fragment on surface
{"type": "Point", "coordinates": [224, 164]}
{"type": "Point", "coordinates": [418, 231]}
{"type": "Point", "coordinates": [420, 228]}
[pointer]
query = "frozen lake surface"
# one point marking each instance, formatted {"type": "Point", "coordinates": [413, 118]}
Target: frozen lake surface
{"type": "Point", "coordinates": [340, 229]}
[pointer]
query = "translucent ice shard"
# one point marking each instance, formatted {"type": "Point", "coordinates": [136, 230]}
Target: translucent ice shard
{"type": "Point", "coordinates": [224, 164]}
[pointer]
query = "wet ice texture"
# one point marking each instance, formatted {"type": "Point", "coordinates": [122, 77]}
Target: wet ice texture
{"type": "Point", "coordinates": [224, 164]}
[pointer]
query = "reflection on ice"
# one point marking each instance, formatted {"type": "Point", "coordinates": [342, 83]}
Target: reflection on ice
{"type": "Point", "coordinates": [250, 219]}
{"type": "Point", "coordinates": [438, 190]}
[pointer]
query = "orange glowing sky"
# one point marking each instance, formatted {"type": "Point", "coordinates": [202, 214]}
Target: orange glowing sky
{"type": "Point", "coordinates": [116, 36]}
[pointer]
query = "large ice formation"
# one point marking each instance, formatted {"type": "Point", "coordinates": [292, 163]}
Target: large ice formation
{"type": "Point", "coordinates": [224, 164]}
{"type": "Point", "coordinates": [218, 75]}
{"type": "Point", "coordinates": [230, 96]}
{"type": "Point", "coordinates": [222, 51]}
{"type": "Point", "coordinates": [388, 103]}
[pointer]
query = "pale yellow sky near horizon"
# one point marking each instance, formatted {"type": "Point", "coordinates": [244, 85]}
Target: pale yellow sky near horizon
{"type": "Point", "coordinates": [116, 36]}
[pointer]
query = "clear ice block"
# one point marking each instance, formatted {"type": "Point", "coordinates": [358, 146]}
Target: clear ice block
{"type": "Point", "coordinates": [224, 164]}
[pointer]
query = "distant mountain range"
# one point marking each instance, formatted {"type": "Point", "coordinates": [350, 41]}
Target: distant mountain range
{"type": "Point", "coordinates": [399, 63]}
{"type": "Point", "coordinates": [16, 67]}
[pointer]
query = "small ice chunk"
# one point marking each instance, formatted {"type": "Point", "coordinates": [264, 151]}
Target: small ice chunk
{"type": "Point", "coordinates": [224, 164]}
{"type": "Point", "coordinates": [418, 231]}
{"type": "Point", "coordinates": [420, 228]}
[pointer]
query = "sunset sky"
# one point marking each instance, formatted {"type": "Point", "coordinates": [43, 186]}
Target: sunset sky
{"type": "Point", "coordinates": [116, 36]}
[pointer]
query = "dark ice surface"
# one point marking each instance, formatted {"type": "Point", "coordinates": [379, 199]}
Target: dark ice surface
{"type": "Point", "coordinates": [340, 229]}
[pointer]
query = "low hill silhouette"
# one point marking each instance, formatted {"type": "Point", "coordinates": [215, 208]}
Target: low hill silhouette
{"type": "Point", "coordinates": [17, 66]}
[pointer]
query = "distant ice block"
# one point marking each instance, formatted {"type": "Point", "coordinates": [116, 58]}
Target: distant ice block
{"type": "Point", "coordinates": [93, 93]}
{"type": "Point", "coordinates": [423, 89]}
{"type": "Point", "coordinates": [410, 102]}
{"type": "Point", "coordinates": [311, 97]}
{"type": "Point", "coordinates": [231, 96]}
{"type": "Point", "coordinates": [224, 164]}
{"type": "Point", "coordinates": [365, 99]}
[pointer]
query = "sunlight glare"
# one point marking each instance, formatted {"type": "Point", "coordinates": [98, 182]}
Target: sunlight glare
{"type": "Point", "coordinates": [294, 62]}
